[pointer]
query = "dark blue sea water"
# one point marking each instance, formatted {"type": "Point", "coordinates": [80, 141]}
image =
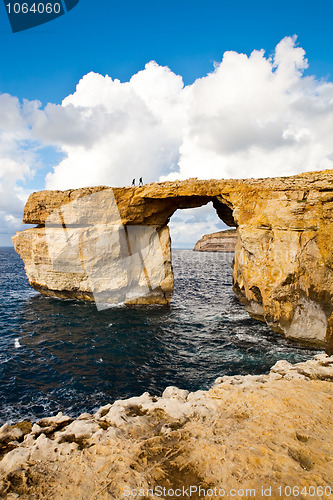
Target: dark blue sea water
{"type": "Point", "coordinates": [58, 355]}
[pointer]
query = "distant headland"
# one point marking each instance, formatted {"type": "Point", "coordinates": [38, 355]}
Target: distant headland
{"type": "Point", "coordinates": [222, 241]}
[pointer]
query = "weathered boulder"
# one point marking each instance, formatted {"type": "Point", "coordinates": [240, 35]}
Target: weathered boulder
{"type": "Point", "coordinates": [283, 257]}
{"type": "Point", "coordinates": [222, 241]}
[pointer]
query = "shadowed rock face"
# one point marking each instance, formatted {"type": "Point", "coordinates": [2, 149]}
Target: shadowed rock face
{"type": "Point", "coordinates": [283, 258]}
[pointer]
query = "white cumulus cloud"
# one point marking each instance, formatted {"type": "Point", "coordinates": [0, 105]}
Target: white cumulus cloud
{"type": "Point", "coordinates": [253, 116]}
{"type": "Point", "coordinates": [257, 117]}
{"type": "Point", "coordinates": [112, 131]}
{"type": "Point", "coordinates": [17, 161]}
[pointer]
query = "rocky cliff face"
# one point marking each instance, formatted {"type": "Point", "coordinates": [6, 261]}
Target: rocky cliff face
{"type": "Point", "coordinates": [222, 241]}
{"type": "Point", "coordinates": [112, 245]}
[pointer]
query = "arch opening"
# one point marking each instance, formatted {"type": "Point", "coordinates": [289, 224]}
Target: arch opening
{"type": "Point", "coordinates": [188, 225]}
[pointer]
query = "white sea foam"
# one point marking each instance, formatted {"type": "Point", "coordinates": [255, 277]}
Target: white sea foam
{"type": "Point", "coordinates": [17, 343]}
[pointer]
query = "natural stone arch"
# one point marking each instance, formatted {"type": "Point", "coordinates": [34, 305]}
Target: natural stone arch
{"type": "Point", "coordinates": [283, 259]}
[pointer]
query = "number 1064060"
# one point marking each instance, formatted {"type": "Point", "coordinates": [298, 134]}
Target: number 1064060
{"type": "Point", "coordinates": [35, 8]}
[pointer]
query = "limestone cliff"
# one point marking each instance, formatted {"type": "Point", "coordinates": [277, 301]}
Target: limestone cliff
{"type": "Point", "coordinates": [222, 241]}
{"type": "Point", "coordinates": [283, 271]}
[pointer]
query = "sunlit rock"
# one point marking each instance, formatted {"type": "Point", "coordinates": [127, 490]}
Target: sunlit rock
{"type": "Point", "coordinates": [117, 249]}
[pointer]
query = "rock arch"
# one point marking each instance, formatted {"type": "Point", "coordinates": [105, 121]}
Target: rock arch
{"type": "Point", "coordinates": [283, 272]}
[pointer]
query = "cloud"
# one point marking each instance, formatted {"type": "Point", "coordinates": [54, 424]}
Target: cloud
{"type": "Point", "coordinates": [17, 158]}
{"type": "Point", "coordinates": [257, 117]}
{"type": "Point", "coordinates": [21, 158]}
{"type": "Point", "coordinates": [253, 116]}
{"type": "Point", "coordinates": [112, 131]}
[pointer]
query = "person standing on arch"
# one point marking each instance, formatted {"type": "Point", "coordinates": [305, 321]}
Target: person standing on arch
{"type": "Point", "coordinates": [140, 182]}
{"type": "Point", "coordinates": [133, 182]}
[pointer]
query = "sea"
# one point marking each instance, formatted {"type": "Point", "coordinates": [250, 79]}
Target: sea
{"type": "Point", "coordinates": [64, 355]}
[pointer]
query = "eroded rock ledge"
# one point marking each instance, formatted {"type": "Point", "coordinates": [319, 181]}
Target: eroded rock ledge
{"type": "Point", "coordinates": [283, 258]}
{"type": "Point", "coordinates": [246, 432]}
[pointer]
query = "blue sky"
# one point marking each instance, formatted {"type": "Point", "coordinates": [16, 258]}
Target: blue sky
{"type": "Point", "coordinates": [118, 38]}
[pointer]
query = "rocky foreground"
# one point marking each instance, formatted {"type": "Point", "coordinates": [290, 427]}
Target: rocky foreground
{"type": "Point", "coordinates": [248, 436]}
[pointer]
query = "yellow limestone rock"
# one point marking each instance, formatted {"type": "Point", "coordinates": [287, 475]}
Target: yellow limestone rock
{"type": "Point", "coordinates": [283, 256]}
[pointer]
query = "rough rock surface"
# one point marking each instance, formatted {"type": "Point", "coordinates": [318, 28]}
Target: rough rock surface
{"type": "Point", "coordinates": [247, 432]}
{"type": "Point", "coordinates": [222, 241]}
{"type": "Point", "coordinates": [283, 258]}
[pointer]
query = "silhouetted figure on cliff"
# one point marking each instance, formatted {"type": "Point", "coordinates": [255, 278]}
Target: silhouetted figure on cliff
{"type": "Point", "coordinates": [133, 182]}
{"type": "Point", "coordinates": [140, 182]}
